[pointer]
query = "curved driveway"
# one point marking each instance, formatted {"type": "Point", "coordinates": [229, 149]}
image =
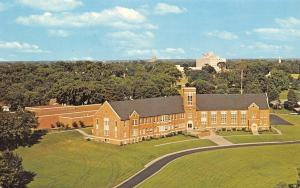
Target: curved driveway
{"type": "Point", "coordinates": [158, 164]}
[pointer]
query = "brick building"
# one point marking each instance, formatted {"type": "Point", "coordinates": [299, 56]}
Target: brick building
{"type": "Point", "coordinates": [49, 115]}
{"type": "Point", "coordinates": [123, 122]}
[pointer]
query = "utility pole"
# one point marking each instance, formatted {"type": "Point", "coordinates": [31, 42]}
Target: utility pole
{"type": "Point", "coordinates": [242, 81]}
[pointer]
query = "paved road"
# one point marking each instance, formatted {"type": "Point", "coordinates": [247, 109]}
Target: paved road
{"type": "Point", "coordinates": [157, 165]}
{"type": "Point", "coordinates": [276, 120]}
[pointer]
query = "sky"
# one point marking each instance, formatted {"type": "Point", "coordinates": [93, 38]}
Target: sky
{"type": "Point", "coordinates": [140, 29]}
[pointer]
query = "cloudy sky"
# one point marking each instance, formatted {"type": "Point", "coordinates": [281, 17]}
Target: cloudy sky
{"type": "Point", "coordinates": [139, 29]}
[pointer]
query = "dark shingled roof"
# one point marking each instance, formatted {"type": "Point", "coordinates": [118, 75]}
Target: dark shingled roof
{"type": "Point", "coordinates": [230, 101]}
{"type": "Point", "coordinates": [149, 107]}
{"type": "Point", "coordinates": [174, 104]}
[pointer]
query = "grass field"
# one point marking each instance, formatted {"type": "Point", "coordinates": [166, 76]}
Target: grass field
{"type": "Point", "coordinates": [258, 167]}
{"type": "Point", "coordinates": [67, 160]}
{"type": "Point", "coordinates": [295, 76]}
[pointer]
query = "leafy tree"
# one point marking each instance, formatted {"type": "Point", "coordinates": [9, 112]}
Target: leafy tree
{"type": "Point", "coordinates": [292, 99]}
{"type": "Point", "coordinates": [209, 69]}
{"type": "Point", "coordinates": [16, 129]}
{"type": "Point", "coordinates": [203, 86]}
{"type": "Point", "coordinates": [12, 173]}
{"type": "Point", "coordinates": [272, 92]}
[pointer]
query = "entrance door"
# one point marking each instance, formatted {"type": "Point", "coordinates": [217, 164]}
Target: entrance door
{"type": "Point", "coordinates": [190, 125]}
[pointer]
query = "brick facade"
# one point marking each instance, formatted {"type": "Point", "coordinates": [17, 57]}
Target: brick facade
{"type": "Point", "coordinates": [49, 115]}
{"type": "Point", "coordinates": [109, 127]}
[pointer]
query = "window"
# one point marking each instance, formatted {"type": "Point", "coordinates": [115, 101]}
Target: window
{"type": "Point", "coordinates": [164, 118]}
{"type": "Point", "coordinates": [203, 118]}
{"type": "Point", "coordinates": [181, 116]}
{"type": "Point", "coordinates": [161, 128]}
{"type": "Point", "coordinates": [135, 122]}
{"type": "Point", "coordinates": [97, 124]}
{"type": "Point", "coordinates": [213, 117]}
{"type": "Point", "coordinates": [190, 115]}
{"type": "Point", "coordinates": [116, 130]}
{"type": "Point", "coordinates": [141, 120]}
{"type": "Point", "coordinates": [190, 125]}
{"type": "Point", "coordinates": [223, 117]}
{"type": "Point", "coordinates": [233, 117]}
{"type": "Point", "coordinates": [135, 132]}
{"type": "Point", "coordinates": [190, 98]}
{"type": "Point", "coordinates": [106, 126]}
{"type": "Point", "coordinates": [244, 117]}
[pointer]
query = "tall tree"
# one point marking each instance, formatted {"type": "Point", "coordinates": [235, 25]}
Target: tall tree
{"type": "Point", "coordinates": [12, 173]}
{"type": "Point", "coordinates": [292, 99]}
{"type": "Point", "coordinates": [16, 129]}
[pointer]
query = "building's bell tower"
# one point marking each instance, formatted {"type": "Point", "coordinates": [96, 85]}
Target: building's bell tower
{"type": "Point", "coordinates": [189, 105]}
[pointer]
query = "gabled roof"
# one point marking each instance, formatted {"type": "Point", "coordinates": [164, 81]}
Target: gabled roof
{"type": "Point", "coordinates": [149, 107]}
{"type": "Point", "coordinates": [230, 101]}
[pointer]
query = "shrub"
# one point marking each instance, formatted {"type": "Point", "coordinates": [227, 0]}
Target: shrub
{"type": "Point", "coordinates": [81, 124]}
{"type": "Point", "coordinates": [59, 124]}
{"type": "Point", "coordinates": [75, 125]}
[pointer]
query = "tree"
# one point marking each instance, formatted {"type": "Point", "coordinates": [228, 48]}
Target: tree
{"type": "Point", "coordinates": [16, 129]}
{"type": "Point", "coordinates": [272, 92]}
{"type": "Point", "coordinates": [12, 173]}
{"type": "Point", "coordinates": [203, 86]}
{"type": "Point", "coordinates": [292, 99]}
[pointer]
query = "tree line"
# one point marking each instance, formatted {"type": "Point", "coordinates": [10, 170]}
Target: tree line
{"type": "Point", "coordinates": [76, 83]}
{"type": "Point", "coordinates": [256, 76]}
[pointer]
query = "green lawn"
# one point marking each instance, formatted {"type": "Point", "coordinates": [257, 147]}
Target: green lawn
{"type": "Point", "coordinates": [288, 132]}
{"type": "Point", "coordinates": [255, 167]}
{"type": "Point", "coordinates": [295, 76]}
{"type": "Point", "coordinates": [67, 160]}
{"type": "Point", "coordinates": [88, 130]}
{"type": "Point", "coordinates": [283, 95]}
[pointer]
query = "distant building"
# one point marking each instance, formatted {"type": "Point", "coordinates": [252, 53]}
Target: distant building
{"type": "Point", "coordinates": [5, 108]}
{"type": "Point", "coordinates": [131, 121]}
{"type": "Point", "coordinates": [208, 58]}
{"type": "Point", "coordinates": [211, 59]}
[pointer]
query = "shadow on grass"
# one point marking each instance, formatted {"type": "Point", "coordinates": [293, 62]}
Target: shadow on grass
{"type": "Point", "coordinates": [35, 137]}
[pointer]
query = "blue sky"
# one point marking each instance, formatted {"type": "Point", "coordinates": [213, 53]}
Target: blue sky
{"type": "Point", "coordinates": [139, 29]}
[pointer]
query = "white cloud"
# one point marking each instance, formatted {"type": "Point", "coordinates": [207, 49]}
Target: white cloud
{"type": "Point", "coordinates": [175, 50]}
{"type": "Point", "coordinates": [163, 8]}
{"type": "Point", "coordinates": [225, 35]}
{"type": "Point", "coordinates": [58, 33]}
{"type": "Point", "coordinates": [118, 17]}
{"type": "Point", "coordinates": [287, 29]}
{"type": "Point", "coordinates": [52, 5]}
{"type": "Point", "coordinates": [266, 47]}
{"type": "Point", "coordinates": [21, 46]}
{"type": "Point", "coordinates": [128, 40]}
{"type": "Point", "coordinates": [288, 22]}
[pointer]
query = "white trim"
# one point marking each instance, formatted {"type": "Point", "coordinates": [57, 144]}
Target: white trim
{"type": "Point", "coordinates": [67, 113]}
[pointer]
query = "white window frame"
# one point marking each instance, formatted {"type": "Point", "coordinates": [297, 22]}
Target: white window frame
{"type": "Point", "coordinates": [213, 117]}
{"type": "Point", "coordinates": [190, 98]}
{"type": "Point", "coordinates": [106, 126]}
{"type": "Point", "coordinates": [233, 117]}
{"type": "Point", "coordinates": [223, 117]}
{"type": "Point", "coordinates": [243, 117]}
{"type": "Point", "coordinates": [203, 118]}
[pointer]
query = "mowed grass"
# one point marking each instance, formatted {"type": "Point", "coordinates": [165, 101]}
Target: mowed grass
{"type": "Point", "coordinates": [295, 76]}
{"type": "Point", "coordinates": [255, 167]}
{"type": "Point", "coordinates": [289, 132]}
{"type": "Point", "coordinates": [67, 160]}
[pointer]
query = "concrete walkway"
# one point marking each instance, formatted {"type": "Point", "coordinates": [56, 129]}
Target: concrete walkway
{"type": "Point", "coordinates": [219, 140]}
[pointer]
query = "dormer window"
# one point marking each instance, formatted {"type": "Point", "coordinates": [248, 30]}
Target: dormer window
{"type": "Point", "coordinates": [190, 98]}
